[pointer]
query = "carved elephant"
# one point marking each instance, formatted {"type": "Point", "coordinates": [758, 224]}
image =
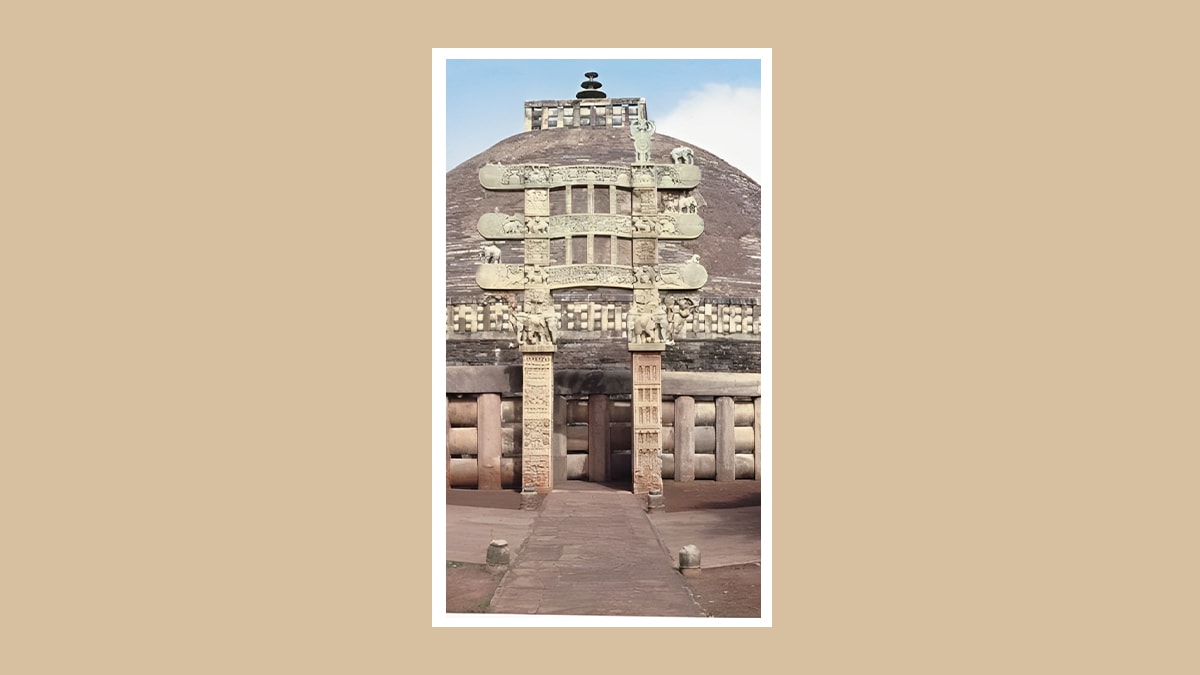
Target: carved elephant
{"type": "Point", "coordinates": [650, 327]}
{"type": "Point", "coordinates": [489, 253]}
{"type": "Point", "coordinates": [535, 329]}
{"type": "Point", "coordinates": [683, 155]}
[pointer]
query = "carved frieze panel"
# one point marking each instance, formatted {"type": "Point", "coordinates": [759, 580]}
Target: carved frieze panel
{"type": "Point", "coordinates": [645, 202]}
{"type": "Point", "coordinates": [537, 203]}
{"type": "Point", "coordinates": [537, 251]}
{"type": "Point", "coordinates": [497, 277]}
{"type": "Point", "coordinates": [645, 251]}
{"type": "Point", "coordinates": [676, 225]}
{"type": "Point", "coordinates": [521, 176]}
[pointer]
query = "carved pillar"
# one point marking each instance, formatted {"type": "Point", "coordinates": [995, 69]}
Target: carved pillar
{"type": "Point", "coordinates": [537, 419]}
{"type": "Point", "coordinates": [647, 421]}
{"type": "Point", "coordinates": [646, 338]}
{"type": "Point", "coordinates": [537, 350]}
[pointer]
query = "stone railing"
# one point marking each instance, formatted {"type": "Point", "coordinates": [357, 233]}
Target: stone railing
{"type": "Point", "coordinates": [711, 426]}
{"type": "Point", "coordinates": [605, 112]}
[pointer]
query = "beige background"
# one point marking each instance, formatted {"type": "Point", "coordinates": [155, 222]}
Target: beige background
{"type": "Point", "coordinates": [216, 436]}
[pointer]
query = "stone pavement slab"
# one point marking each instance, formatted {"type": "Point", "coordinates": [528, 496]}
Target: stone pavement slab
{"type": "Point", "coordinates": [724, 536]}
{"type": "Point", "coordinates": [470, 529]}
{"type": "Point", "coordinates": [593, 553]}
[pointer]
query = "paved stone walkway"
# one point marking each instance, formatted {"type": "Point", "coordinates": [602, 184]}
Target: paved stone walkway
{"type": "Point", "coordinates": [593, 553]}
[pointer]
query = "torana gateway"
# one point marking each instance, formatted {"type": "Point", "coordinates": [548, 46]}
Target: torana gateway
{"type": "Point", "coordinates": [594, 237]}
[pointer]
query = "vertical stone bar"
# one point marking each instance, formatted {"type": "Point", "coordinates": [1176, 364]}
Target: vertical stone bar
{"type": "Point", "coordinates": [537, 421]}
{"type": "Point", "coordinates": [537, 354]}
{"type": "Point", "coordinates": [758, 438]}
{"type": "Point", "coordinates": [558, 446]}
{"type": "Point", "coordinates": [490, 441]}
{"type": "Point", "coordinates": [612, 198]}
{"type": "Point", "coordinates": [725, 443]}
{"type": "Point", "coordinates": [591, 248]}
{"type": "Point", "coordinates": [685, 439]}
{"type": "Point", "coordinates": [647, 421]}
{"type": "Point", "coordinates": [591, 197]}
{"type": "Point", "coordinates": [598, 438]}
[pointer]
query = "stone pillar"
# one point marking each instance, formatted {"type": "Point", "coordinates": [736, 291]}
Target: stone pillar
{"type": "Point", "coordinates": [725, 440]}
{"type": "Point", "coordinates": [685, 439]}
{"type": "Point", "coordinates": [647, 419]}
{"type": "Point", "coordinates": [558, 444]}
{"type": "Point", "coordinates": [598, 448]}
{"type": "Point", "coordinates": [490, 441]}
{"type": "Point", "coordinates": [537, 419]}
{"type": "Point", "coordinates": [537, 354]}
{"type": "Point", "coordinates": [758, 438]}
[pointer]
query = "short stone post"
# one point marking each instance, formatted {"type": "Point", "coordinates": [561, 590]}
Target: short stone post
{"type": "Point", "coordinates": [497, 554]}
{"type": "Point", "coordinates": [655, 500]}
{"type": "Point", "coordinates": [689, 560]}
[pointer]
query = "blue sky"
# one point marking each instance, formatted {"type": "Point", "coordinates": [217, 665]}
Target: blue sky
{"type": "Point", "coordinates": [713, 98]}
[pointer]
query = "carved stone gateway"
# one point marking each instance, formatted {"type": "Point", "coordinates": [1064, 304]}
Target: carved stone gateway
{"type": "Point", "coordinates": [651, 323]}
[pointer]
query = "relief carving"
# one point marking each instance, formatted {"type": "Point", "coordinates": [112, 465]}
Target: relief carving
{"type": "Point", "coordinates": [536, 328]}
{"type": "Point", "coordinates": [680, 204]}
{"type": "Point", "coordinates": [641, 130]}
{"type": "Point", "coordinates": [647, 320]}
{"type": "Point", "coordinates": [489, 253]}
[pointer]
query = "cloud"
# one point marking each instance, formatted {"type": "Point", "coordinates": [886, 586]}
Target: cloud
{"type": "Point", "coordinates": [723, 120]}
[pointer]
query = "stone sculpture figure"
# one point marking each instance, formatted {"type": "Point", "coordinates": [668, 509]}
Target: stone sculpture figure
{"type": "Point", "coordinates": [535, 329]}
{"type": "Point", "coordinates": [651, 326]}
{"type": "Point", "coordinates": [677, 315]}
{"type": "Point", "coordinates": [513, 225]}
{"type": "Point", "coordinates": [489, 254]}
{"type": "Point", "coordinates": [641, 130]}
{"type": "Point", "coordinates": [682, 155]}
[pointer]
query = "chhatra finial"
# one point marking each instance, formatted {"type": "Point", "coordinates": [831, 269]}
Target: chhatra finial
{"type": "Point", "coordinates": [591, 88]}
